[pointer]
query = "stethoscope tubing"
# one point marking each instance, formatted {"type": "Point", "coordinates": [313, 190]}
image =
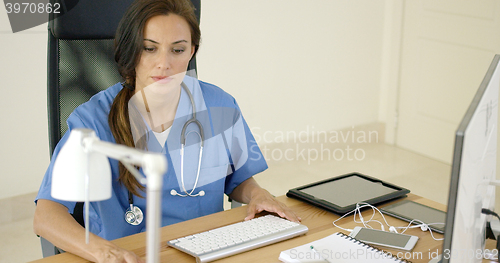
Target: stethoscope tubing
{"type": "Point", "coordinates": [192, 120]}
{"type": "Point", "coordinates": [197, 175]}
{"type": "Point", "coordinates": [134, 211]}
{"type": "Point", "coordinates": [183, 144]}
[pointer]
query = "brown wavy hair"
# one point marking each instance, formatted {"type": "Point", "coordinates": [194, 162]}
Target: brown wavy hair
{"type": "Point", "coordinates": [129, 45]}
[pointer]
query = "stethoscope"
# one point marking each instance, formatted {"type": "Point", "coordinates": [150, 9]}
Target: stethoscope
{"type": "Point", "coordinates": [183, 143]}
{"type": "Point", "coordinates": [134, 215]}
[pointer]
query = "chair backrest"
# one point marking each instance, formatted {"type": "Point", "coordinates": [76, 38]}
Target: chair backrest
{"type": "Point", "coordinates": [81, 57]}
{"type": "Point", "coordinates": [81, 63]}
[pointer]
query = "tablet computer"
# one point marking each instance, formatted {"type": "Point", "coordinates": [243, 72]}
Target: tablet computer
{"type": "Point", "coordinates": [340, 194]}
{"type": "Point", "coordinates": [408, 210]}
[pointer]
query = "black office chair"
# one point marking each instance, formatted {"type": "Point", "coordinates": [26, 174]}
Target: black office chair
{"type": "Point", "coordinates": [81, 63]}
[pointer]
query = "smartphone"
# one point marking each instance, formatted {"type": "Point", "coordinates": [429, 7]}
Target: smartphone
{"type": "Point", "coordinates": [408, 210]}
{"type": "Point", "coordinates": [383, 238]}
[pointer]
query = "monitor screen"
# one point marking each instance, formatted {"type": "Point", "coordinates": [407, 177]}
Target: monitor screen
{"type": "Point", "coordinates": [473, 168]}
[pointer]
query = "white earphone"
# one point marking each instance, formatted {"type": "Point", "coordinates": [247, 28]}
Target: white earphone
{"type": "Point", "coordinates": [423, 227]}
{"type": "Point", "coordinates": [357, 211]}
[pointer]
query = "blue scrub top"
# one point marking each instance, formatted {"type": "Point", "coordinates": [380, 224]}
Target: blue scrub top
{"type": "Point", "coordinates": [230, 156]}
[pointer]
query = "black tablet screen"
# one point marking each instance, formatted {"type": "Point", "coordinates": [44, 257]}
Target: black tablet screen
{"type": "Point", "coordinates": [348, 190]}
{"type": "Point", "coordinates": [409, 210]}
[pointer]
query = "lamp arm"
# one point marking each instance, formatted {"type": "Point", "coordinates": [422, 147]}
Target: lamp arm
{"type": "Point", "coordinates": [154, 166]}
{"type": "Point", "coordinates": [135, 172]}
{"type": "Point", "coordinates": [154, 162]}
{"type": "Point", "coordinates": [115, 151]}
{"type": "Point", "coordinates": [495, 182]}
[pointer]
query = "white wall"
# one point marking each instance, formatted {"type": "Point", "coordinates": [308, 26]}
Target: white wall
{"type": "Point", "coordinates": [292, 65]}
{"type": "Point", "coordinates": [24, 151]}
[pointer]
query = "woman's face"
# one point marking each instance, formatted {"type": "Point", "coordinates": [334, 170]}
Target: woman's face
{"type": "Point", "coordinates": [166, 54]}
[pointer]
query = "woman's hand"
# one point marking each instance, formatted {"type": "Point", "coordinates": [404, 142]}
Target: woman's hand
{"type": "Point", "coordinates": [115, 254]}
{"type": "Point", "coordinates": [259, 199]}
{"type": "Point", "coordinates": [262, 200]}
{"type": "Point", "coordinates": [53, 222]}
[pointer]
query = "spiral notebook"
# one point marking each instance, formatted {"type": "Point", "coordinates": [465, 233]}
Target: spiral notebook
{"type": "Point", "coordinates": [337, 247]}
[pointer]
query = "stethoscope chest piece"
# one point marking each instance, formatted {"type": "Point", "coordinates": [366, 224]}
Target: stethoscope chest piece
{"type": "Point", "coordinates": [134, 215]}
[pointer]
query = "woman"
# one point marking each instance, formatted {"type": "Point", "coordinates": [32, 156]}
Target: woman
{"type": "Point", "coordinates": [154, 43]}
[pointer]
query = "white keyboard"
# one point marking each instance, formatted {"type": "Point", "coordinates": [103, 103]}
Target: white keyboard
{"type": "Point", "coordinates": [239, 237]}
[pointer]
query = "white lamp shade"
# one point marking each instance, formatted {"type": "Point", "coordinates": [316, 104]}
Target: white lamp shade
{"type": "Point", "coordinates": [68, 174]}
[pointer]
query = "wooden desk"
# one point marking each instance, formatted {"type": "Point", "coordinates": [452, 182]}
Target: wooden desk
{"type": "Point", "coordinates": [317, 220]}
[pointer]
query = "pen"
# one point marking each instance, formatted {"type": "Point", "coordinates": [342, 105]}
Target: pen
{"type": "Point", "coordinates": [319, 254]}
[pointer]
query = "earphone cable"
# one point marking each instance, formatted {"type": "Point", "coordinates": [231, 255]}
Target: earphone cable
{"type": "Point", "coordinates": [365, 223]}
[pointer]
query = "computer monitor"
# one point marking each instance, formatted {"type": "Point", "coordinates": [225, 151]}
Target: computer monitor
{"type": "Point", "coordinates": [473, 168]}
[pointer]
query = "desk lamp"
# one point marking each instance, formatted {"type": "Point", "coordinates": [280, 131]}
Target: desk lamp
{"type": "Point", "coordinates": [82, 173]}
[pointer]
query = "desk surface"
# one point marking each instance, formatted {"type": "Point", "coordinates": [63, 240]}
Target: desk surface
{"type": "Point", "coordinates": [317, 220]}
